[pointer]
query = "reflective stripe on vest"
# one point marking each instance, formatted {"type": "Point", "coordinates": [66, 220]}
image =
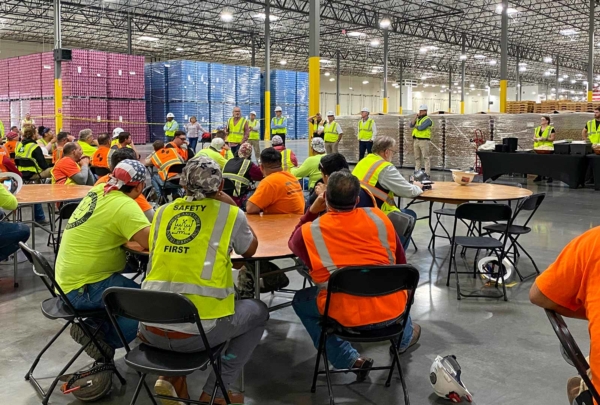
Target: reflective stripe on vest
{"type": "Point", "coordinates": [163, 167]}
{"type": "Point", "coordinates": [194, 232]}
{"type": "Point", "coordinates": [424, 134]}
{"type": "Point", "coordinates": [325, 256]}
{"type": "Point", "coordinates": [236, 131]}
{"type": "Point", "coordinates": [278, 121]}
{"type": "Point", "coordinates": [593, 132]}
{"type": "Point", "coordinates": [544, 135]}
{"type": "Point", "coordinates": [170, 132]}
{"type": "Point", "coordinates": [254, 135]}
{"type": "Point", "coordinates": [365, 129]}
{"type": "Point", "coordinates": [239, 179]}
{"type": "Point", "coordinates": [367, 171]}
{"type": "Point", "coordinates": [286, 160]}
{"type": "Point", "coordinates": [330, 133]}
{"type": "Point", "coordinates": [26, 152]}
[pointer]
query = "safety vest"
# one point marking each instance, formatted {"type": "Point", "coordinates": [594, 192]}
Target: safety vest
{"type": "Point", "coordinates": [100, 158]}
{"type": "Point", "coordinates": [593, 132]}
{"type": "Point", "coordinates": [424, 134]}
{"type": "Point", "coordinates": [254, 135]}
{"type": "Point", "coordinates": [26, 151]}
{"type": "Point", "coordinates": [11, 146]}
{"type": "Point", "coordinates": [3, 153]}
{"type": "Point", "coordinates": [2, 133]}
{"type": "Point", "coordinates": [278, 121]}
{"type": "Point", "coordinates": [286, 160]}
{"type": "Point", "coordinates": [170, 132]}
{"type": "Point", "coordinates": [237, 175]}
{"type": "Point", "coordinates": [367, 171]}
{"type": "Point", "coordinates": [189, 252]}
{"type": "Point", "coordinates": [42, 140]}
{"type": "Point", "coordinates": [67, 180]}
{"type": "Point", "coordinates": [236, 131]}
{"type": "Point", "coordinates": [330, 132]}
{"type": "Point", "coordinates": [213, 154]}
{"type": "Point", "coordinates": [27, 123]}
{"type": "Point", "coordinates": [163, 159]}
{"type": "Point", "coordinates": [365, 129]}
{"type": "Point", "coordinates": [182, 152]}
{"type": "Point", "coordinates": [114, 142]}
{"type": "Point", "coordinates": [544, 135]}
{"type": "Point", "coordinates": [368, 238]}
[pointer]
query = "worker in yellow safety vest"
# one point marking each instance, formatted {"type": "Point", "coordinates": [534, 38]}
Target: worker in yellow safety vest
{"type": "Point", "coordinates": [27, 122]}
{"type": "Point", "coordinates": [214, 152]}
{"type": "Point", "coordinates": [29, 149]}
{"type": "Point", "coordinates": [254, 137]}
{"type": "Point", "coordinates": [367, 131]}
{"type": "Point", "coordinates": [237, 130]}
{"type": "Point", "coordinates": [544, 134]}
{"type": "Point", "coordinates": [315, 122]}
{"type": "Point", "coordinates": [421, 133]}
{"type": "Point", "coordinates": [288, 158]}
{"type": "Point", "coordinates": [332, 134]}
{"type": "Point", "coordinates": [170, 127]}
{"type": "Point", "coordinates": [379, 176]}
{"type": "Point", "coordinates": [115, 136]}
{"type": "Point", "coordinates": [201, 229]}
{"type": "Point", "coordinates": [591, 131]}
{"type": "Point", "coordinates": [279, 124]}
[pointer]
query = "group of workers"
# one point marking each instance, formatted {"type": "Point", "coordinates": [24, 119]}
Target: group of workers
{"type": "Point", "coordinates": [212, 190]}
{"type": "Point", "coordinates": [209, 191]}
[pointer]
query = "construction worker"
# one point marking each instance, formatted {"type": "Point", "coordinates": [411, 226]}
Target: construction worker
{"type": "Point", "coordinates": [12, 140]}
{"type": "Point", "coordinates": [162, 159]}
{"type": "Point", "coordinates": [46, 139]}
{"type": "Point", "coordinates": [544, 135]}
{"type": "Point", "coordinates": [254, 137]}
{"type": "Point", "coordinates": [29, 149]}
{"type": "Point", "coordinates": [348, 236]}
{"type": "Point", "coordinates": [101, 157]}
{"type": "Point", "coordinates": [73, 167]}
{"type": "Point", "coordinates": [238, 175]}
{"type": "Point", "coordinates": [316, 121]}
{"type": "Point", "coordinates": [237, 130]}
{"type": "Point", "coordinates": [214, 151]}
{"type": "Point", "coordinates": [380, 177]}
{"type": "Point", "coordinates": [179, 143]}
{"type": "Point", "coordinates": [421, 133]}
{"type": "Point", "coordinates": [332, 134]}
{"type": "Point", "coordinates": [115, 136]}
{"type": "Point", "coordinates": [311, 166]}
{"type": "Point", "coordinates": [61, 140]}
{"type": "Point", "coordinates": [225, 150]}
{"type": "Point", "coordinates": [27, 122]}
{"type": "Point", "coordinates": [170, 127]}
{"type": "Point", "coordinates": [279, 124]}
{"type": "Point", "coordinates": [367, 131]}
{"type": "Point", "coordinates": [87, 142]}
{"type": "Point", "coordinates": [288, 158]}
{"type": "Point", "coordinates": [591, 131]}
{"type": "Point", "coordinates": [204, 271]}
